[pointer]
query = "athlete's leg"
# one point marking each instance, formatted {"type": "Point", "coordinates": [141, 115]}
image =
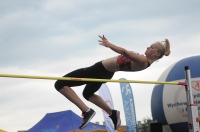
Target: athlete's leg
{"type": "Point", "coordinates": [98, 101]}
{"type": "Point", "coordinates": [88, 94]}
{"type": "Point", "coordinates": [87, 113]}
{"type": "Point", "coordinates": [64, 87]}
{"type": "Point", "coordinates": [73, 97]}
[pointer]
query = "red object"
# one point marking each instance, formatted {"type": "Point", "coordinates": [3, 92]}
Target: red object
{"type": "Point", "coordinates": [181, 83]}
{"type": "Point", "coordinates": [190, 126]}
{"type": "Point", "coordinates": [197, 119]}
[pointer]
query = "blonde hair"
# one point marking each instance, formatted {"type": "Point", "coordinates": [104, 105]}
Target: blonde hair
{"type": "Point", "coordinates": [164, 48]}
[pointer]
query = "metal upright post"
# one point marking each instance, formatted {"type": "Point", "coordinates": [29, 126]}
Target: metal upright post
{"type": "Point", "coordinates": [193, 118]}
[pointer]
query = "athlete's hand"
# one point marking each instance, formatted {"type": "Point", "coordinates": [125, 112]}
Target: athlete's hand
{"type": "Point", "coordinates": [104, 41]}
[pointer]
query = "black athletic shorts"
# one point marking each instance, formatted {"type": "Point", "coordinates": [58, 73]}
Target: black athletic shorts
{"type": "Point", "coordinates": [95, 71]}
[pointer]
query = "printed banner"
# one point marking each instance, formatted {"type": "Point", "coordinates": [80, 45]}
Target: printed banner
{"type": "Point", "coordinates": [106, 96]}
{"type": "Point", "coordinates": [129, 106]}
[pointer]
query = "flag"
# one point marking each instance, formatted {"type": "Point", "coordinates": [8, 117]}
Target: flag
{"type": "Point", "coordinates": [106, 96]}
{"type": "Point", "coordinates": [129, 106]}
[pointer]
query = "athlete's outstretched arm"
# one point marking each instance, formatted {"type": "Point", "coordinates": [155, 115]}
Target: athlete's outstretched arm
{"type": "Point", "coordinates": [122, 51]}
{"type": "Point", "coordinates": [106, 43]}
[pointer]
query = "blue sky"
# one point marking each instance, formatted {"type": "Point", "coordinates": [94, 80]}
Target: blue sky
{"type": "Point", "coordinates": [52, 38]}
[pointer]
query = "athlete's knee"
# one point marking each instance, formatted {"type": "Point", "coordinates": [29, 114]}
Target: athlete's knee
{"type": "Point", "coordinates": [58, 85]}
{"type": "Point", "coordinates": [86, 94]}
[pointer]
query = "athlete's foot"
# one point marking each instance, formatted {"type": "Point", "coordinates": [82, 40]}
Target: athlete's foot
{"type": "Point", "coordinates": [87, 116]}
{"type": "Point", "coordinates": [115, 116]}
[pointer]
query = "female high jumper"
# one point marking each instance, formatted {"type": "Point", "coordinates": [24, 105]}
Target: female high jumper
{"type": "Point", "coordinates": [105, 69]}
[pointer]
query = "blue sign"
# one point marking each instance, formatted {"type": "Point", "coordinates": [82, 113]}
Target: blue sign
{"type": "Point", "coordinates": [129, 106]}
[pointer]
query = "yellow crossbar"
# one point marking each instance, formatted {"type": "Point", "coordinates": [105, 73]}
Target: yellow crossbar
{"type": "Point", "coordinates": [88, 79]}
